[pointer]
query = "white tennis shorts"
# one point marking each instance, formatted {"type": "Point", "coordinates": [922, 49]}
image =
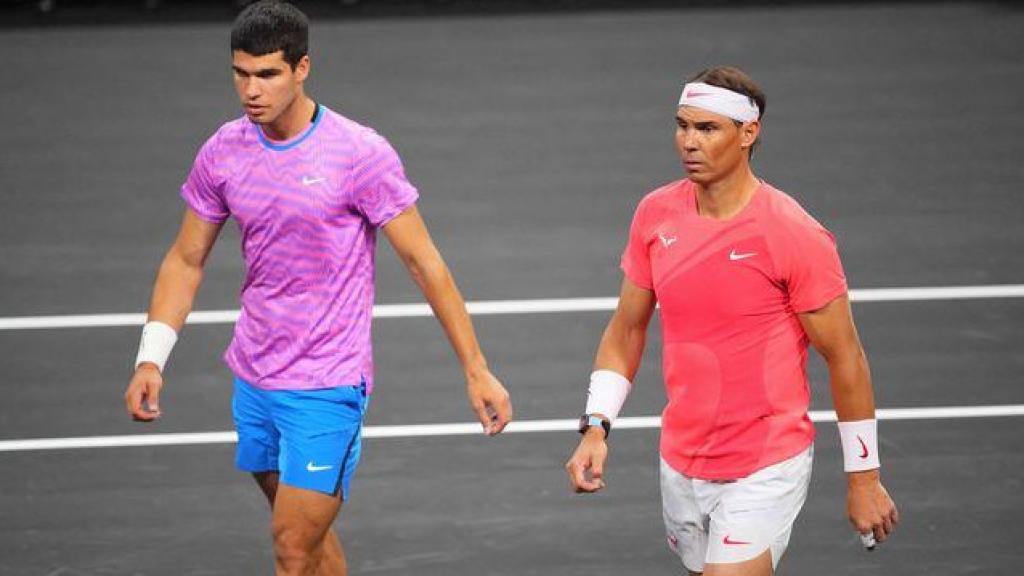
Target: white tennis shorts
{"type": "Point", "coordinates": [724, 522]}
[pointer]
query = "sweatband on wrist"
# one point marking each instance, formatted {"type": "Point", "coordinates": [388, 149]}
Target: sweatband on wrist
{"type": "Point", "coordinates": [860, 445]}
{"type": "Point", "coordinates": [739, 107]}
{"type": "Point", "coordinates": [607, 393]}
{"type": "Point", "coordinates": [157, 342]}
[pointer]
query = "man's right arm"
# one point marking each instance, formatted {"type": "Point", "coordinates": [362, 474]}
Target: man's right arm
{"type": "Point", "coordinates": [173, 293]}
{"type": "Point", "coordinates": [622, 345]}
{"type": "Point", "coordinates": [620, 351]}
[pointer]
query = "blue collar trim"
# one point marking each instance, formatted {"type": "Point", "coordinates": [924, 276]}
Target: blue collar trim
{"type": "Point", "coordinates": [289, 145]}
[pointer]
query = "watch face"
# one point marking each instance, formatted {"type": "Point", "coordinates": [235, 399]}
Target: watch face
{"type": "Point", "coordinates": [588, 420]}
{"type": "Point", "coordinates": [584, 424]}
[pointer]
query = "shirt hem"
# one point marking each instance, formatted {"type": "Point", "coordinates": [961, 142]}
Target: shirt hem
{"type": "Point", "coordinates": [631, 276]}
{"type": "Point", "coordinates": [674, 463]}
{"type": "Point", "coordinates": [202, 215]}
{"type": "Point", "coordinates": [819, 303]}
{"type": "Point", "coordinates": [349, 379]}
{"type": "Point", "coordinates": [395, 210]}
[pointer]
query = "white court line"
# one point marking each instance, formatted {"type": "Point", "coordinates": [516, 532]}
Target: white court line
{"type": "Point", "coordinates": [473, 428]}
{"type": "Point", "coordinates": [489, 307]}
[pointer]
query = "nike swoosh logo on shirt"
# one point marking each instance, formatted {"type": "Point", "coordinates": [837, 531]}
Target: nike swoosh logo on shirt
{"type": "Point", "coordinates": [732, 542]}
{"type": "Point", "coordinates": [734, 256]}
{"type": "Point", "coordinates": [313, 468]}
{"type": "Point", "coordinates": [307, 181]}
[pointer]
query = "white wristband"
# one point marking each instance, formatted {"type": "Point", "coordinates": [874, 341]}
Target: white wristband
{"type": "Point", "coordinates": [607, 393]}
{"type": "Point", "coordinates": [157, 342]}
{"type": "Point", "coordinates": [860, 445]}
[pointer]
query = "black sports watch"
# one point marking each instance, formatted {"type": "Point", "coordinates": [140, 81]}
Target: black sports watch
{"type": "Point", "coordinates": [588, 420]}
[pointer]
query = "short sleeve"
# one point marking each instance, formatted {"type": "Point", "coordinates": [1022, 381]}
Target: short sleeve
{"type": "Point", "coordinates": [812, 270]}
{"type": "Point", "coordinates": [203, 191]}
{"type": "Point", "coordinates": [636, 259]}
{"type": "Point", "coordinates": [380, 189]}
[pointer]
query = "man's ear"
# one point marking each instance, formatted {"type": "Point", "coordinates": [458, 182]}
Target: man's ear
{"type": "Point", "coordinates": [302, 69]}
{"type": "Point", "coordinates": [749, 132]}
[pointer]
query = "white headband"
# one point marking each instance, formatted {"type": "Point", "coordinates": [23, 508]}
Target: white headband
{"type": "Point", "coordinates": [720, 101]}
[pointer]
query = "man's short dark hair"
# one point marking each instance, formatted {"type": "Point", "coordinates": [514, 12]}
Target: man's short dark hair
{"type": "Point", "coordinates": [267, 26]}
{"type": "Point", "coordinates": [732, 78]}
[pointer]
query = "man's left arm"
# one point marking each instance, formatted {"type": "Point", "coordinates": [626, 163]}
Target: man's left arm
{"type": "Point", "coordinates": [409, 237]}
{"type": "Point", "coordinates": [832, 333]}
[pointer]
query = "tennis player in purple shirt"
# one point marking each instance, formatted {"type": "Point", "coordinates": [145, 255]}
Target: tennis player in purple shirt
{"type": "Point", "coordinates": [309, 189]}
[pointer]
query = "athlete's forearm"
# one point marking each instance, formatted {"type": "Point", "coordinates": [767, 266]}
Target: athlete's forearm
{"type": "Point", "coordinates": [852, 393]}
{"type": "Point", "coordinates": [175, 289]}
{"type": "Point", "coordinates": [832, 332]}
{"type": "Point", "coordinates": [621, 348]}
{"type": "Point", "coordinates": [431, 274]}
{"type": "Point", "coordinates": [181, 271]}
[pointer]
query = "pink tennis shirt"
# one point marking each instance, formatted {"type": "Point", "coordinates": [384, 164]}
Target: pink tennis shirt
{"type": "Point", "coordinates": [734, 352]}
{"type": "Point", "coordinates": [308, 210]}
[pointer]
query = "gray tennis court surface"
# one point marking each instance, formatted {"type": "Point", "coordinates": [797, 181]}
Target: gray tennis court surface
{"type": "Point", "coordinates": [532, 137]}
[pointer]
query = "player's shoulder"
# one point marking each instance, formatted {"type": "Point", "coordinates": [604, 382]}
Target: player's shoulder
{"type": "Point", "coordinates": [662, 203]}
{"type": "Point", "coordinates": [784, 211]}
{"type": "Point", "coordinates": [342, 127]}
{"type": "Point", "coordinates": [233, 131]}
{"type": "Point", "coordinates": [666, 193]}
{"type": "Point", "coordinates": [786, 224]}
{"type": "Point", "coordinates": [230, 134]}
{"type": "Point", "coordinates": [340, 124]}
{"type": "Point", "coordinates": [665, 196]}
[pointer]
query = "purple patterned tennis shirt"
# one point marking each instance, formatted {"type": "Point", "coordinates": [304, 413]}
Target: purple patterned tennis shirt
{"type": "Point", "coordinates": [308, 210]}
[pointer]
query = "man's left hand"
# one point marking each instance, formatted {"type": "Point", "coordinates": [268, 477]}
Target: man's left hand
{"type": "Point", "coordinates": [489, 400]}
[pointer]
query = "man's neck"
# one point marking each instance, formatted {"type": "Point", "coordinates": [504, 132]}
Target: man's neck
{"type": "Point", "coordinates": [724, 199]}
{"type": "Point", "coordinates": [293, 120]}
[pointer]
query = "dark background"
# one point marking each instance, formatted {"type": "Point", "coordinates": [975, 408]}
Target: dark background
{"type": "Point", "coordinates": [532, 130]}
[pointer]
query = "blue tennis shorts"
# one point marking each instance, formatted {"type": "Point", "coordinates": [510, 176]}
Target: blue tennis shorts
{"type": "Point", "coordinates": [312, 437]}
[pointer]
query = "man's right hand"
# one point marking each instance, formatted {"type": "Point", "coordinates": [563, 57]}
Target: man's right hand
{"type": "Point", "coordinates": [869, 506]}
{"type": "Point", "coordinates": [142, 399]}
{"type": "Point", "coordinates": [589, 457]}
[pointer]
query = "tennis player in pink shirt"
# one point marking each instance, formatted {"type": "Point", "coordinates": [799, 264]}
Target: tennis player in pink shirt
{"type": "Point", "coordinates": [745, 280]}
{"type": "Point", "coordinates": [309, 190]}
